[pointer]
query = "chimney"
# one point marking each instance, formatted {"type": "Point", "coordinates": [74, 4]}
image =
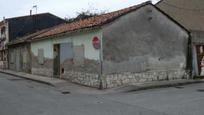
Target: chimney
{"type": "Point", "coordinates": [30, 12]}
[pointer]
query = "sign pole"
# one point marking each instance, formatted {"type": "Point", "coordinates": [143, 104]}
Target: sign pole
{"type": "Point", "coordinates": [101, 69]}
{"type": "Point", "coordinates": [96, 42]}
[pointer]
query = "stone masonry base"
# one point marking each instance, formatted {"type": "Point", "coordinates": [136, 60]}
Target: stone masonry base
{"type": "Point", "coordinates": [128, 78]}
{"type": "Point", "coordinates": [87, 79]}
{"type": "Point", "coordinates": [115, 80]}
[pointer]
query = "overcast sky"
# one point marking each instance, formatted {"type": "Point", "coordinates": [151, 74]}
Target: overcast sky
{"type": "Point", "coordinates": [62, 8]}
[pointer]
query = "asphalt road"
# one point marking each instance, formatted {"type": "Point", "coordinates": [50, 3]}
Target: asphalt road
{"type": "Point", "coordinates": [23, 97]}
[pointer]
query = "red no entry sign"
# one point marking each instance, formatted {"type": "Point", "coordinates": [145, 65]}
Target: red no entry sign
{"type": "Point", "coordinates": [96, 42]}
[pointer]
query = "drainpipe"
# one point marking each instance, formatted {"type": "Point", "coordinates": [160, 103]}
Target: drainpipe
{"type": "Point", "coordinates": [101, 66]}
{"type": "Point", "coordinates": [101, 72]}
{"type": "Point", "coordinates": [189, 57]}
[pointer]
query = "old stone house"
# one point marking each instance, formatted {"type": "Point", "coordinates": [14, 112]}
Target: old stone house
{"type": "Point", "coordinates": [19, 29]}
{"type": "Point", "coordinates": [19, 58]}
{"type": "Point", "coordinates": [132, 45]}
{"type": "Point", "coordinates": [190, 14]}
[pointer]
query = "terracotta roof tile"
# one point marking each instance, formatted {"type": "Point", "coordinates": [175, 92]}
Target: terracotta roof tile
{"type": "Point", "coordinates": [89, 22]}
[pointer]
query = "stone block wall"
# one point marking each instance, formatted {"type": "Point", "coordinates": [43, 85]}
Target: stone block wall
{"type": "Point", "coordinates": [82, 78]}
{"type": "Point", "coordinates": [84, 74]}
{"type": "Point", "coordinates": [128, 78]}
{"type": "Point", "coordinates": [122, 79]}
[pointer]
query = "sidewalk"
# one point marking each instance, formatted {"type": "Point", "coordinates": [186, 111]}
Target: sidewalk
{"type": "Point", "coordinates": [65, 86]}
{"type": "Point", "coordinates": [59, 84]}
{"type": "Point", "coordinates": [45, 80]}
{"type": "Point", "coordinates": [159, 84]}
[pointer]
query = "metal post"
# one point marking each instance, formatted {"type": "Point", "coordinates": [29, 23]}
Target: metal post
{"type": "Point", "coordinates": [101, 67]}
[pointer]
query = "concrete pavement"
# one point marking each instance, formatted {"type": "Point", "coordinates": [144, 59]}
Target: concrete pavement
{"type": "Point", "coordinates": [59, 84]}
{"type": "Point", "coordinates": [19, 96]}
{"type": "Point", "coordinates": [37, 78]}
{"type": "Point", "coordinates": [23, 97]}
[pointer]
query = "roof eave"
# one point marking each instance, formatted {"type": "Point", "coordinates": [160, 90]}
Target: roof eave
{"type": "Point", "coordinates": [65, 33]}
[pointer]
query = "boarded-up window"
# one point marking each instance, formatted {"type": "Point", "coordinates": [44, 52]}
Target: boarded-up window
{"type": "Point", "coordinates": [41, 56]}
{"type": "Point", "coordinates": [79, 55]}
{"type": "Point", "coordinates": [66, 52]}
{"type": "Point", "coordinates": [12, 57]}
{"type": "Point", "coordinates": [24, 57]}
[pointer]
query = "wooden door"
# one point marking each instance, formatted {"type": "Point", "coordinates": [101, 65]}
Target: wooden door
{"type": "Point", "coordinates": [56, 67]}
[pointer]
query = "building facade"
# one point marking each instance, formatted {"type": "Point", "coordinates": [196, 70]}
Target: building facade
{"type": "Point", "coordinates": [19, 29]}
{"type": "Point", "coordinates": [4, 28]}
{"type": "Point", "coordinates": [124, 47]}
{"type": "Point", "coordinates": [190, 14]}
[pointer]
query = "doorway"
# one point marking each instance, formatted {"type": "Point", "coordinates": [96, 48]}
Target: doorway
{"type": "Point", "coordinates": [18, 60]}
{"type": "Point", "coordinates": [56, 66]}
{"type": "Point", "coordinates": [200, 59]}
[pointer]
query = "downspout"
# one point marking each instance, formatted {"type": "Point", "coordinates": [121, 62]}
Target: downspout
{"type": "Point", "coordinates": [189, 57]}
{"type": "Point", "coordinates": [101, 70]}
{"type": "Point", "coordinates": [101, 64]}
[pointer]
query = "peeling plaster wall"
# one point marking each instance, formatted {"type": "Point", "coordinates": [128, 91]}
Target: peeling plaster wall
{"type": "Point", "coordinates": [141, 41]}
{"type": "Point", "coordinates": [89, 69]}
{"type": "Point", "coordinates": [141, 46]}
{"type": "Point", "coordinates": [21, 58]}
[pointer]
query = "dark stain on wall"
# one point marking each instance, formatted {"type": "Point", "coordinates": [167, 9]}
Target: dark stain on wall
{"type": "Point", "coordinates": [134, 43]}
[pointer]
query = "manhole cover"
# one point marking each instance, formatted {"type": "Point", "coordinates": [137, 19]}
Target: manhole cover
{"type": "Point", "coordinates": [200, 90]}
{"type": "Point", "coordinates": [65, 92]}
{"type": "Point", "coordinates": [179, 87]}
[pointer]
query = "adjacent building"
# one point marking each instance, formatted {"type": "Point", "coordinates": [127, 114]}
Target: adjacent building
{"type": "Point", "coordinates": [190, 14]}
{"type": "Point", "coordinates": [12, 32]}
{"type": "Point", "coordinates": [132, 45]}
{"type": "Point", "coordinates": [17, 27]}
{"type": "Point", "coordinates": [4, 35]}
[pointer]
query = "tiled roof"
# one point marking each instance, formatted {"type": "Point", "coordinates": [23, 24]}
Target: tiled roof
{"type": "Point", "coordinates": [189, 13]}
{"type": "Point", "coordinates": [89, 22]}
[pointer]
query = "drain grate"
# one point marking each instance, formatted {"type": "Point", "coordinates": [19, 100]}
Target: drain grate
{"type": "Point", "coordinates": [66, 92]}
{"type": "Point", "coordinates": [15, 79]}
{"type": "Point", "coordinates": [200, 90]}
{"type": "Point", "coordinates": [179, 87]}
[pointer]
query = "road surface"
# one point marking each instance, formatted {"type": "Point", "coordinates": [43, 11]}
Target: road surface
{"type": "Point", "coordinates": [23, 97]}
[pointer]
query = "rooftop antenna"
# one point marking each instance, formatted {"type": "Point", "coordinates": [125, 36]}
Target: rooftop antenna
{"type": "Point", "coordinates": [36, 8]}
{"type": "Point", "coordinates": [30, 12]}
